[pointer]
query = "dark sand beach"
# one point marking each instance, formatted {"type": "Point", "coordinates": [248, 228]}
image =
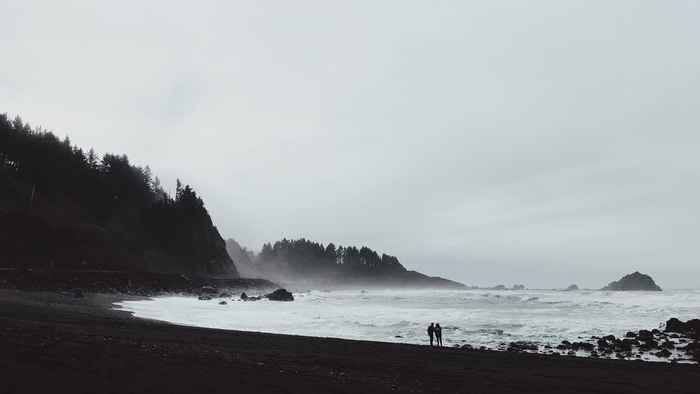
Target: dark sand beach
{"type": "Point", "coordinates": [53, 343]}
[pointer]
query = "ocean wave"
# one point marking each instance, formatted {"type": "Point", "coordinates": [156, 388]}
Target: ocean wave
{"type": "Point", "coordinates": [478, 318]}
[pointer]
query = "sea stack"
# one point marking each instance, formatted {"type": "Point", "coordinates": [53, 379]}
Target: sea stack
{"type": "Point", "coordinates": [633, 282]}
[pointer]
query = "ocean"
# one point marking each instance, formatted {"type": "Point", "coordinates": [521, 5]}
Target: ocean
{"type": "Point", "coordinates": [481, 318]}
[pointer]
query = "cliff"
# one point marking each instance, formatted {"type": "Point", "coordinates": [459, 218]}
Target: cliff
{"type": "Point", "coordinates": [63, 208]}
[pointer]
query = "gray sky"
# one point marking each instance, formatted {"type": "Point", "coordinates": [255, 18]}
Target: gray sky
{"type": "Point", "coordinates": [542, 143]}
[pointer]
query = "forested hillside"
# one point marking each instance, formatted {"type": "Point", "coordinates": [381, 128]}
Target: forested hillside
{"type": "Point", "coordinates": [310, 262]}
{"type": "Point", "coordinates": [64, 208]}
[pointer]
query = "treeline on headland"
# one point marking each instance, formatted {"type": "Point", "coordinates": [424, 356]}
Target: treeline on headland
{"type": "Point", "coordinates": [304, 261]}
{"type": "Point", "coordinates": [64, 208]}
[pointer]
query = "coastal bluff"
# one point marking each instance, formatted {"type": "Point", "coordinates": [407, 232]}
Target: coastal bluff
{"type": "Point", "coordinates": [63, 208]}
{"type": "Point", "coordinates": [633, 282]}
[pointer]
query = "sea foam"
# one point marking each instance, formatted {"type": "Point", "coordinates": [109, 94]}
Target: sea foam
{"type": "Point", "coordinates": [480, 318]}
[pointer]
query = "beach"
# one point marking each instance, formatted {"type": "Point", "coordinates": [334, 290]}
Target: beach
{"type": "Point", "coordinates": [55, 343]}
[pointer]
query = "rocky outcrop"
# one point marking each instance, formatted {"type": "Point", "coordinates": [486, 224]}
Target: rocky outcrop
{"type": "Point", "coordinates": [503, 287]}
{"type": "Point", "coordinates": [572, 288]}
{"type": "Point", "coordinates": [633, 282]}
{"type": "Point", "coordinates": [691, 328]}
{"type": "Point", "coordinates": [245, 297]}
{"type": "Point", "coordinates": [280, 295]}
{"type": "Point", "coordinates": [678, 343]}
{"type": "Point", "coordinates": [673, 346]}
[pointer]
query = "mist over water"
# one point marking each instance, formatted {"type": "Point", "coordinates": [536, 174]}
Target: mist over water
{"type": "Point", "coordinates": [476, 317]}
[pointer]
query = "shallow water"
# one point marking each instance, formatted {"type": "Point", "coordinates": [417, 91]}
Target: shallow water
{"type": "Point", "coordinates": [481, 318]}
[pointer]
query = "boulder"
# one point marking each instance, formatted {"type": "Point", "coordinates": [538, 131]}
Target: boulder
{"type": "Point", "coordinates": [625, 345]}
{"type": "Point", "coordinates": [668, 345]}
{"type": "Point", "coordinates": [245, 297]}
{"type": "Point", "coordinates": [631, 341]}
{"type": "Point", "coordinates": [602, 344]}
{"type": "Point", "coordinates": [649, 345]}
{"type": "Point", "coordinates": [280, 295]}
{"type": "Point", "coordinates": [633, 282]}
{"type": "Point", "coordinates": [645, 335]}
{"type": "Point", "coordinates": [564, 345]}
{"type": "Point", "coordinates": [675, 325]}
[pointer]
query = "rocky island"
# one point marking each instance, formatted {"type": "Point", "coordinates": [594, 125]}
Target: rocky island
{"type": "Point", "coordinates": [633, 282]}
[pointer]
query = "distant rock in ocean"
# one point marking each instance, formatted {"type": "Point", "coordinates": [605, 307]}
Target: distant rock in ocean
{"type": "Point", "coordinates": [572, 288]}
{"type": "Point", "coordinates": [280, 295]}
{"type": "Point", "coordinates": [633, 282]}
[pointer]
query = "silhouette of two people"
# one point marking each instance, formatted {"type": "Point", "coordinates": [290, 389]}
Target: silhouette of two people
{"type": "Point", "coordinates": [435, 330]}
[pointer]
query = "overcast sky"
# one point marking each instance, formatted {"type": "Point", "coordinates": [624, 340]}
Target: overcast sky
{"type": "Point", "coordinates": [543, 143]}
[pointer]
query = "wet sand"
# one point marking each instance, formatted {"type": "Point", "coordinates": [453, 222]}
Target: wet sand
{"type": "Point", "coordinates": [52, 343]}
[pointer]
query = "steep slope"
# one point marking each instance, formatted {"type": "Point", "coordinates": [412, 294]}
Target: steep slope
{"type": "Point", "coordinates": [62, 208]}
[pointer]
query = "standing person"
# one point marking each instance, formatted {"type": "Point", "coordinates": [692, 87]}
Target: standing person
{"type": "Point", "coordinates": [438, 335]}
{"type": "Point", "coordinates": [431, 329]}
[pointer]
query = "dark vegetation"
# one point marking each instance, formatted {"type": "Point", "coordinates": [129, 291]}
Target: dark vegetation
{"type": "Point", "coordinates": [305, 261]}
{"type": "Point", "coordinates": [66, 209]}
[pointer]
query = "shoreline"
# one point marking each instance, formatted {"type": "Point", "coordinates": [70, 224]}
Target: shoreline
{"type": "Point", "coordinates": [618, 341]}
{"type": "Point", "coordinates": [87, 345]}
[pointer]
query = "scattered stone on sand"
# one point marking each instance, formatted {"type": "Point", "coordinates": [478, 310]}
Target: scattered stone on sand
{"type": "Point", "coordinates": [678, 343]}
